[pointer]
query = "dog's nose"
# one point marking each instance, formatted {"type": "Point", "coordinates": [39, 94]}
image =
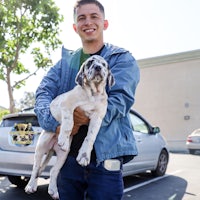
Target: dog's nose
{"type": "Point", "coordinates": [97, 68]}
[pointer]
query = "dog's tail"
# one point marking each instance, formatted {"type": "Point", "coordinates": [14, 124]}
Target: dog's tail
{"type": "Point", "coordinates": [45, 161]}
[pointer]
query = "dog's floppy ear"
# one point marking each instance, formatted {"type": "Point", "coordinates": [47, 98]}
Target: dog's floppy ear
{"type": "Point", "coordinates": [110, 79]}
{"type": "Point", "coordinates": [80, 76]}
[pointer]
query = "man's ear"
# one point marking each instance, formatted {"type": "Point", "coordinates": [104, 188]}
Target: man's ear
{"type": "Point", "coordinates": [106, 24]}
{"type": "Point", "coordinates": [74, 27]}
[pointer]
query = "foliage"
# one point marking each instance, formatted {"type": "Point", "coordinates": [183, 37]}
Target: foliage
{"type": "Point", "coordinates": [26, 26]}
{"type": "Point", "coordinates": [27, 101]}
{"type": "Point", "coordinates": [3, 112]}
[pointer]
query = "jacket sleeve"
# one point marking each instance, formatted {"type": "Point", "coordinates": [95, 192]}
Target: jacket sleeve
{"type": "Point", "coordinates": [45, 93]}
{"type": "Point", "coordinates": [121, 96]}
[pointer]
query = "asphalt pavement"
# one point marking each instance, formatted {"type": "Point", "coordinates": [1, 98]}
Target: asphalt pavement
{"type": "Point", "coordinates": [181, 182]}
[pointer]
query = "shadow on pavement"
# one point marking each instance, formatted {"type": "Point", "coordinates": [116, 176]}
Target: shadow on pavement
{"type": "Point", "coordinates": [9, 191]}
{"type": "Point", "coordinates": [168, 188]}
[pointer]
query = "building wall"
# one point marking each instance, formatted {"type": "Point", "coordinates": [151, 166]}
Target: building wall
{"type": "Point", "coordinates": [168, 95]}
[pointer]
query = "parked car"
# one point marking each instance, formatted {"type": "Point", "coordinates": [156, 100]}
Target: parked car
{"type": "Point", "coordinates": [19, 133]}
{"type": "Point", "coordinates": [193, 141]}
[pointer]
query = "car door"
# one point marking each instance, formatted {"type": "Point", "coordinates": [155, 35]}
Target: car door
{"type": "Point", "coordinates": [147, 144]}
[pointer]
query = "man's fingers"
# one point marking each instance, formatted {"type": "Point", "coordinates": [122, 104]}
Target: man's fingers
{"type": "Point", "coordinates": [75, 130]}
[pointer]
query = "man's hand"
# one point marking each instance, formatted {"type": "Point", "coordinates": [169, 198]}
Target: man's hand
{"type": "Point", "coordinates": [57, 131]}
{"type": "Point", "coordinates": [79, 119]}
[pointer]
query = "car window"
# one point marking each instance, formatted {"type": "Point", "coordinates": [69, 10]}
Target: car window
{"type": "Point", "coordinates": [196, 132]}
{"type": "Point", "coordinates": [10, 122]}
{"type": "Point", "coordinates": [138, 124]}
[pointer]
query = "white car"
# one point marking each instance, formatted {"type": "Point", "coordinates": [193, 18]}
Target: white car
{"type": "Point", "coordinates": [193, 141]}
{"type": "Point", "coordinates": [19, 133]}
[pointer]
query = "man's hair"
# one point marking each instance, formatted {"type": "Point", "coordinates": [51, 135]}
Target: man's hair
{"type": "Point", "coordinates": [79, 3]}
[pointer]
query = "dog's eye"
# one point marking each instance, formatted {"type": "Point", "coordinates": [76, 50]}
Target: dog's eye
{"type": "Point", "coordinates": [89, 64]}
{"type": "Point", "coordinates": [104, 64]}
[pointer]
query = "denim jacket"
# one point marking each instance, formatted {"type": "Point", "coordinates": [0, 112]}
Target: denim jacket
{"type": "Point", "coordinates": [115, 138]}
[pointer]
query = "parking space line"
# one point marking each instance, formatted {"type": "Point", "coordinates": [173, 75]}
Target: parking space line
{"type": "Point", "coordinates": [150, 181]}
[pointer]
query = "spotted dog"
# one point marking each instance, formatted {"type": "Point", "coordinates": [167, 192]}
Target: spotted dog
{"type": "Point", "coordinates": [90, 95]}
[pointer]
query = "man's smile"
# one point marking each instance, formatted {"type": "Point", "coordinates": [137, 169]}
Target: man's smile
{"type": "Point", "coordinates": [89, 30]}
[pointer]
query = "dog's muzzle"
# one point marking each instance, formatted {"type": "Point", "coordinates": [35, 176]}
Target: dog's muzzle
{"type": "Point", "coordinates": [96, 73]}
{"type": "Point", "coordinates": [97, 68]}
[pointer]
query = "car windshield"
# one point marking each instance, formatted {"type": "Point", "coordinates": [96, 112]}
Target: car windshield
{"type": "Point", "coordinates": [9, 122]}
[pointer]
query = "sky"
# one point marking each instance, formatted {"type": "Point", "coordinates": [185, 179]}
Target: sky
{"type": "Point", "coordinates": [147, 28]}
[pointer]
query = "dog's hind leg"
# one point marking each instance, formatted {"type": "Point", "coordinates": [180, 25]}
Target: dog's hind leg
{"type": "Point", "coordinates": [32, 184]}
{"type": "Point", "coordinates": [61, 157]}
{"type": "Point", "coordinates": [45, 161]}
{"type": "Point", "coordinates": [40, 151]}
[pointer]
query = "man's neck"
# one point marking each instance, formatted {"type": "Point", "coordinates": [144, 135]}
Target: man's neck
{"type": "Point", "coordinates": [91, 48]}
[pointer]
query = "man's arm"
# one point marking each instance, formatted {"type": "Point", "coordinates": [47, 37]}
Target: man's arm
{"type": "Point", "coordinates": [46, 92]}
{"type": "Point", "coordinates": [121, 96]}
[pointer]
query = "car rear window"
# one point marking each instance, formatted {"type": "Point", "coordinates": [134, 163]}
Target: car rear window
{"type": "Point", "coordinates": [23, 119]}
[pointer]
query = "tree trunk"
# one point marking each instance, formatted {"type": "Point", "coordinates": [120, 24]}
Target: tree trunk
{"type": "Point", "coordinates": [10, 93]}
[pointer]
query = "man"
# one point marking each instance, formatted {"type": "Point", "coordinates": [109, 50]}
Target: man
{"type": "Point", "coordinates": [115, 143]}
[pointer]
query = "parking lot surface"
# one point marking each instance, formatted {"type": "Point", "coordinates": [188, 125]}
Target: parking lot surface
{"type": "Point", "coordinates": [180, 182]}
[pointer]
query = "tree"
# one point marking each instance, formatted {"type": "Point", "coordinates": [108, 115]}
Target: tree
{"type": "Point", "coordinates": [3, 112]}
{"type": "Point", "coordinates": [27, 101]}
{"type": "Point", "coordinates": [26, 26]}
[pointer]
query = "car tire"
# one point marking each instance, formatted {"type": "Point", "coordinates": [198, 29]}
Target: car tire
{"type": "Point", "coordinates": [19, 181]}
{"type": "Point", "coordinates": [192, 151]}
{"type": "Point", "coordinates": [162, 164]}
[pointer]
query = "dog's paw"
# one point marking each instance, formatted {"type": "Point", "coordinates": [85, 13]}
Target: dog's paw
{"type": "Point", "coordinates": [64, 146]}
{"type": "Point", "coordinates": [53, 192]}
{"type": "Point", "coordinates": [84, 154]}
{"type": "Point", "coordinates": [83, 159]}
{"type": "Point", "coordinates": [29, 189]}
{"type": "Point", "coordinates": [63, 142]}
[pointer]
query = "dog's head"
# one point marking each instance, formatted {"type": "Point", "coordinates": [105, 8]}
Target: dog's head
{"type": "Point", "coordinates": [22, 127]}
{"type": "Point", "coordinates": [95, 70]}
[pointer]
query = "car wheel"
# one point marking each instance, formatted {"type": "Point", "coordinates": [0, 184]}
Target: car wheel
{"type": "Point", "coordinates": [192, 151]}
{"type": "Point", "coordinates": [161, 165]}
{"type": "Point", "coordinates": [19, 181]}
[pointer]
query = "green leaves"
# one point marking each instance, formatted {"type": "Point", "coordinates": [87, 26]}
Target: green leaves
{"type": "Point", "coordinates": [27, 26]}
{"type": "Point", "coordinates": [39, 59]}
{"type": "Point", "coordinates": [27, 22]}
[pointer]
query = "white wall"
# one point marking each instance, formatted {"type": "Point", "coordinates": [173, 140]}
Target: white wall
{"type": "Point", "coordinates": [168, 95]}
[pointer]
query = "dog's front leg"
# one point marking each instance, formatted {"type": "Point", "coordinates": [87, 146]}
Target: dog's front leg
{"type": "Point", "coordinates": [84, 154]}
{"type": "Point", "coordinates": [61, 157]}
{"type": "Point", "coordinates": [65, 129]}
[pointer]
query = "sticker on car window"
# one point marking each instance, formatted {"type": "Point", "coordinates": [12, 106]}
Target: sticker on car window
{"type": "Point", "coordinates": [22, 134]}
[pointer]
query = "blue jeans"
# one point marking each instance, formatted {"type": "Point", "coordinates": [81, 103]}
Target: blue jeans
{"type": "Point", "coordinates": [91, 182]}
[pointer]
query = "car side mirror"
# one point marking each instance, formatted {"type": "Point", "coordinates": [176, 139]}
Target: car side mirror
{"type": "Point", "coordinates": [155, 130]}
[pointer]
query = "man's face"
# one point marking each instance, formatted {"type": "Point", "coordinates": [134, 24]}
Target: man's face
{"type": "Point", "coordinates": [90, 23]}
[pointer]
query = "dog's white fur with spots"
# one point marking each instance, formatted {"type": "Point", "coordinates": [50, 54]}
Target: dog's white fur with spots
{"type": "Point", "coordinates": [90, 95]}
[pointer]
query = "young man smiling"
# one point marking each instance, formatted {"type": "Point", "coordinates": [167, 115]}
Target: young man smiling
{"type": "Point", "coordinates": [115, 143]}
